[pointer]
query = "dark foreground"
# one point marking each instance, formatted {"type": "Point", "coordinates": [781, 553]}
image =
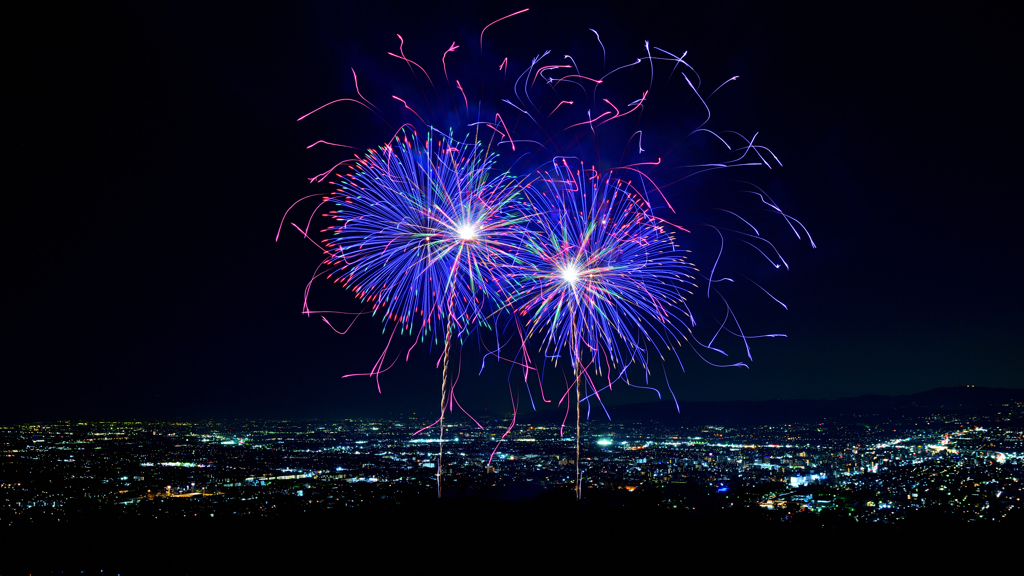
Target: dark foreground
{"type": "Point", "coordinates": [552, 532]}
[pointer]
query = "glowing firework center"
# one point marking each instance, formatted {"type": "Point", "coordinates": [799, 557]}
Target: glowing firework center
{"type": "Point", "coordinates": [570, 272]}
{"type": "Point", "coordinates": [466, 232]}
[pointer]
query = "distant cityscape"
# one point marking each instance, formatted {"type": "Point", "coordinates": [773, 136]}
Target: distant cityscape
{"type": "Point", "coordinates": [889, 469]}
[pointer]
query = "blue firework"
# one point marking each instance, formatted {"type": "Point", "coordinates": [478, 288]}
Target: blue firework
{"type": "Point", "coordinates": [421, 224]}
{"type": "Point", "coordinates": [597, 275]}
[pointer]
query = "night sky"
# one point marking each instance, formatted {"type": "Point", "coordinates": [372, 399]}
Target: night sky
{"type": "Point", "coordinates": [155, 150]}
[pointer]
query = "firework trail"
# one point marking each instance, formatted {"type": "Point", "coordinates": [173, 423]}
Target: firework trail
{"type": "Point", "coordinates": [421, 225]}
{"type": "Point", "coordinates": [421, 222]}
{"type": "Point", "coordinates": [599, 277]}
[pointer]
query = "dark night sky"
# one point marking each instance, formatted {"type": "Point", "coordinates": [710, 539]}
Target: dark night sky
{"type": "Point", "coordinates": [156, 150]}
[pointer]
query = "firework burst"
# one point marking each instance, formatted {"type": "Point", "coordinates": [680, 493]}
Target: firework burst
{"type": "Point", "coordinates": [589, 255]}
